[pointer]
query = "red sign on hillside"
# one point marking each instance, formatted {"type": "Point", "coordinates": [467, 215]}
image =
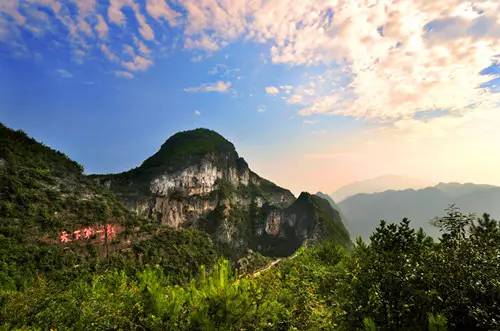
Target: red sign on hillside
{"type": "Point", "coordinates": [99, 232]}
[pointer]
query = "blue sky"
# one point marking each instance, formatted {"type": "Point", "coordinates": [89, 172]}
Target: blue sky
{"type": "Point", "coordinates": [310, 102]}
{"type": "Point", "coordinates": [111, 124]}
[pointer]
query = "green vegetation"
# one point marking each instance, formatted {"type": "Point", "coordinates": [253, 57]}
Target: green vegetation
{"type": "Point", "coordinates": [188, 147]}
{"type": "Point", "coordinates": [402, 280]}
{"type": "Point", "coordinates": [153, 277]}
{"type": "Point", "coordinates": [43, 193]}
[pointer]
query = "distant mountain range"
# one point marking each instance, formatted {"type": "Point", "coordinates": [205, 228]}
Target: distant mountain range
{"type": "Point", "coordinates": [364, 211]}
{"type": "Point", "coordinates": [378, 184]}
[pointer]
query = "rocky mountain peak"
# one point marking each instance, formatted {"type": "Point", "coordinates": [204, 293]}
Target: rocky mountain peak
{"type": "Point", "coordinates": [197, 179]}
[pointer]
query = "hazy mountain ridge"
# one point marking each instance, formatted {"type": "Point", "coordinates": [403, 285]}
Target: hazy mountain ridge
{"type": "Point", "coordinates": [378, 184]}
{"type": "Point", "coordinates": [366, 210]}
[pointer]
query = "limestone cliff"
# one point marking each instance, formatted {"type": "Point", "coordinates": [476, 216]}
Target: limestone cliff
{"type": "Point", "coordinates": [197, 179]}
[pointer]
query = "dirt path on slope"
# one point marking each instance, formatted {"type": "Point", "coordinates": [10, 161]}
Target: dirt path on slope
{"type": "Point", "coordinates": [271, 264]}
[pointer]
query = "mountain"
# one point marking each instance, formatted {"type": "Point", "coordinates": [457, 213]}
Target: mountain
{"type": "Point", "coordinates": [378, 184]}
{"type": "Point", "coordinates": [364, 211]}
{"type": "Point", "coordinates": [58, 222]}
{"type": "Point", "coordinates": [197, 180]}
{"type": "Point", "coordinates": [187, 205]}
{"type": "Point", "coordinates": [334, 206]}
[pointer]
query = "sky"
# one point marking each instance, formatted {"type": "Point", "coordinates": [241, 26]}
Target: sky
{"type": "Point", "coordinates": [314, 94]}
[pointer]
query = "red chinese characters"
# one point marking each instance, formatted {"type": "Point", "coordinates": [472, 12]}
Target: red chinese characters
{"type": "Point", "coordinates": [64, 237]}
{"type": "Point", "coordinates": [99, 232]}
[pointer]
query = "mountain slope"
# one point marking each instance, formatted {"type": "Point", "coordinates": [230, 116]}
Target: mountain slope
{"type": "Point", "coordinates": [332, 204]}
{"type": "Point", "coordinates": [378, 184]}
{"type": "Point", "coordinates": [197, 179]}
{"type": "Point", "coordinates": [366, 210]}
{"type": "Point", "coordinates": [56, 221]}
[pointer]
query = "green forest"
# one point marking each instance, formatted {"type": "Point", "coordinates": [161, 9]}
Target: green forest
{"type": "Point", "coordinates": [401, 280]}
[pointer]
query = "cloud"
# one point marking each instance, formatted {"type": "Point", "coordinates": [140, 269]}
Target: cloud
{"type": "Point", "coordinates": [401, 56]}
{"type": "Point", "coordinates": [219, 86]}
{"type": "Point", "coordinates": [102, 27]}
{"type": "Point", "coordinates": [115, 13]}
{"type": "Point", "coordinates": [295, 99]}
{"type": "Point", "coordinates": [116, 16]}
{"type": "Point", "coordinates": [261, 109]}
{"type": "Point", "coordinates": [11, 8]}
{"type": "Point", "coordinates": [204, 42]}
{"type": "Point", "coordinates": [159, 9]}
{"type": "Point", "coordinates": [63, 73]}
{"type": "Point", "coordinates": [286, 88]}
{"type": "Point", "coordinates": [272, 90]}
{"type": "Point", "coordinates": [393, 58]}
{"type": "Point", "coordinates": [138, 63]}
{"type": "Point", "coordinates": [123, 74]}
{"type": "Point", "coordinates": [108, 53]}
{"type": "Point", "coordinates": [141, 47]}
{"type": "Point", "coordinates": [224, 70]}
{"type": "Point", "coordinates": [134, 62]}
{"type": "Point", "coordinates": [197, 113]}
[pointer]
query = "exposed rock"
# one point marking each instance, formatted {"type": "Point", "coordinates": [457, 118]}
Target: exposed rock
{"type": "Point", "coordinates": [273, 222]}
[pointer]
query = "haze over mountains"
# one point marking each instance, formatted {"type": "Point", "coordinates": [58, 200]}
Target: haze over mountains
{"type": "Point", "coordinates": [364, 211]}
{"type": "Point", "coordinates": [378, 184]}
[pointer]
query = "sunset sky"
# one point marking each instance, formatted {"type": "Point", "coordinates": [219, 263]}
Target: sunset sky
{"type": "Point", "coordinates": [314, 94]}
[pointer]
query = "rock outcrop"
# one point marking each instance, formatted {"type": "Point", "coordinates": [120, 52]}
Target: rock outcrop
{"type": "Point", "coordinates": [198, 180]}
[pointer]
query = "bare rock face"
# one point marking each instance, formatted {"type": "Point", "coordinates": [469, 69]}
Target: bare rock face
{"type": "Point", "coordinates": [200, 179]}
{"type": "Point", "coordinates": [273, 222]}
{"type": "Point", "coordinates": [197, 179]}
{"type": "Point", "coordinates": [185, 196]}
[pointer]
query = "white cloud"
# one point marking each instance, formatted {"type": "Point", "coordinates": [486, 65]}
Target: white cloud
{"type": "Point", "coordinates": [272, 90]}
{"type": "Point", "coordinates": [141, 46]}
{"type": "Point", "coordinates": [402, 56]}
{"type": "Point", "coordinates": [205, 42]}
{"type": "Point", "coordinates": [219, 86]}
{"type": "Point", "coordinates": [102, 27]}
{"type": "Point", "coordinates": [286, 88]}
{"type": "Point", "coordinates": [63, 73]}
{"type": "Point", "coordinates": [138, 63]}
{"type": "Point", "coordinates": [197, 113]}
{"type": "Point", "coordinates": [395, 58]}
{"type": "Point", "coordinates": [159, 9]}
{"type": "Point", "coordinates": [108, 53]}
{"type": "Point", "coordinates": [261, 109]}
{"type": "Point", "coordinates": [116, 16]}
{"type": "Point", "coordinates": [224, 70]}
{"type": "Point", "coordinates": [295, 99]}
{"type": "Point", "coordinates": [115, 13]}
{"type": "Point", "coordinates": [123, 74]}
{"type": "Point", "coordinates": [11, 8]}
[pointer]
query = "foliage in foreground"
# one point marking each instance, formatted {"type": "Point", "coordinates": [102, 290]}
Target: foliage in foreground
{"type": "Point", "coordinates": [402, 280]}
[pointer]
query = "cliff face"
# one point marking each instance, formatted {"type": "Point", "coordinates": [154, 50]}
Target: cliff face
{"type": "Point", "coordinates": [198, 180]}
